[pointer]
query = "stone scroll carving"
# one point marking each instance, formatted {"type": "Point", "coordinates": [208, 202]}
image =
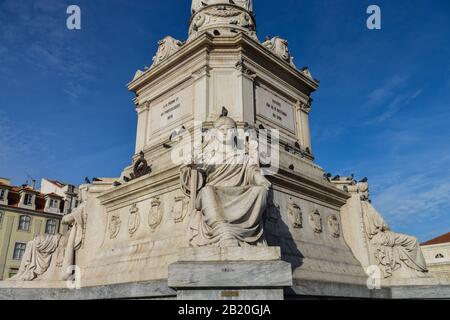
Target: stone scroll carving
{"type": "Point", "coordinates": [50, 256]}
{"type": "Point", "coordinates": [230, 204]}
{"type": "Point", "coordinates": [280, 48]}
{"type": "Point", "coordinates": [167, 47]}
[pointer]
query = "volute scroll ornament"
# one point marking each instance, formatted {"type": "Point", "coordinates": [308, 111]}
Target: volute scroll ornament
{"type": "Point", "coordinates": [167, 47]}
{"type": "Point", "coordinates": [280, 48]}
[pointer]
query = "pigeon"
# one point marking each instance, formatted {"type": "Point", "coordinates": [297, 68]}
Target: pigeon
{"type": "Point", "coordinates": [126, 179]}
{"type": "Point", "coordinates": [167, 146]}
{"type": "Point", "coordinates": [352, 176]}
{"type": "Point", "coordinates": [365, 180]}
{"type": "Point", "coordinates": [327, 176]}
{"type": "Point", "coordinates": [117, 184]}
{"type": "Point", "coordinates": [177, 132]}
{"type": "Point", "coordinates": [224, 112]}
{"type": "Point", "coordinates": [287, 147]}
{"type": "Point", "coordinates": [96, 180]}
{"type": "Point", "coordinates": [87, 180]}
{"type": "Point", "coordinates": [291, 167]}
{"type": "Point", "coordinates": [297, 145]}
{"type": "Point", "coordinates": [336, 178]}
{"type": "Point", "coordinates": [262, 127]}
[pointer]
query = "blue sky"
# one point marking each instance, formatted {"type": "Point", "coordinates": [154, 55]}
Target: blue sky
{"type": "Point", "coordinates": [382, 110]}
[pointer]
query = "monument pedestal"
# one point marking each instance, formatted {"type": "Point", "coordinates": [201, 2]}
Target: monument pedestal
{"type": "Point", "coordinates": [249, 273]}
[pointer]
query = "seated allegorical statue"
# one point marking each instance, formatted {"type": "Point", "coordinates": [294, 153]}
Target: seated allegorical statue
{"type": "Point", "coordinates": [50, 257]}
{"type": "Point", "coordinates": [391, 250]}
{"type": "Point", "coordinates": [231, 201]}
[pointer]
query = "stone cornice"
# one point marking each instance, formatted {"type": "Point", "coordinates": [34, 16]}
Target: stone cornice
{"type": "Point", "coordinates": [310, 187]}
{"type": "Point", "coordinates": [206, 43]}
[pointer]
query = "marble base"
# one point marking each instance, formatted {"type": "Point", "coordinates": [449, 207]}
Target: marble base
{"type": "Point", "coordinates": [230, 274]}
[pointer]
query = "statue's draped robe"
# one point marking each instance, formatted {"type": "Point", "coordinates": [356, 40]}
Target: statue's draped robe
{"type": "Point", "coordinates": [40, 252]}
{"type": "Point", "coordinates": [37, 257]}
{"type": "Point", "coordinates": [230, 205]}
{"type": "Point", "coordinates": [390, 248]}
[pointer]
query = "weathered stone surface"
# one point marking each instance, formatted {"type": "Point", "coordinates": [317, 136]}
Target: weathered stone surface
{"type": "Point", "coordinates": [240, 294]}
{"type": "Point", "coordinates": [140, 290]}
{"type": "Point", "coordinates": [265, 274]}
{"type": "Point", "coordinates": [229, 254]}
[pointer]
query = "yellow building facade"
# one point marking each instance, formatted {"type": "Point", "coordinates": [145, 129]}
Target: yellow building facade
{"type": "Point", "coordinates": [24, 214]}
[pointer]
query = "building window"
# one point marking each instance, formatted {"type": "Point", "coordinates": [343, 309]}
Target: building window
{"type": "Point", "coordinates": [50, 227]}
{"type": "Point", "coordinates": [28, 199]}
{"type": "Point", "coordinates": [19, 250]}
{"type": "Point", "coordinates": [2, 194]}
{"type": "Point", "coordinates": [13, 272]}
{"type": "Point", "coordinates": [53, 203]}
{"type": "Point", "coordinates": [24, 223]}
{"type": "Point", "coordinates": [439, 256]}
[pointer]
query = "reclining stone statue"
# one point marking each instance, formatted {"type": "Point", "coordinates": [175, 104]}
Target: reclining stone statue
{"type": "Point", "coordinates": [396, 255]}
{"type": "Point", "coordinates": [50, 257]}
{"type": "Point", "coordinates": [391, 249]}
{"type": "Point", "coordinates": [229, 207]}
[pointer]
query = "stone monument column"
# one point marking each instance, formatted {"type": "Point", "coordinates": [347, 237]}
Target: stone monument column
{"type": "Point", "coordinates": [141, 137]}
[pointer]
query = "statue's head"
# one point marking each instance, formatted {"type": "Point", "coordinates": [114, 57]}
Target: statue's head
{"type": "Point", "coordinates": [226, 128]}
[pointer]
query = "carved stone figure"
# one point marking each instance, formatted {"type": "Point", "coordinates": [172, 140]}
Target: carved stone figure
{"type": "Point", "coordinates": [391, 250]}
{"type": "Point", "coordinates": [280, 48]}
{"type": "Point", "coordinates": [167, 47]}
{"type": "Point", "coordinates": [134, 220]}
{"type": "Point", "coordinates": [231, 203]}
{"type": "Point", "coordinates": [295, 213]}
{"type": "Point", "coordinates": [114, 226]}
{"type": "Point", "coordinates": [41, 251]}
{"type": "Point", "coordinates": [315, 220]}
